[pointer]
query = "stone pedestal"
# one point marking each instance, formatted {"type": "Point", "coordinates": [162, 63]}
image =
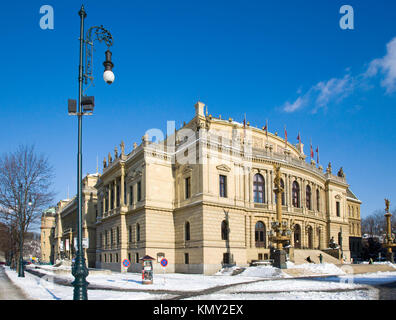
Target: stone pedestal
{"type": "Point", "coordinates": [279, 257]}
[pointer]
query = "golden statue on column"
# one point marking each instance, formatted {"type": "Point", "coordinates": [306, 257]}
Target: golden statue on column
{"type": "Point", "coordinates": [389, 241]}
{"type": "Point", "coordinates": [280, 233]}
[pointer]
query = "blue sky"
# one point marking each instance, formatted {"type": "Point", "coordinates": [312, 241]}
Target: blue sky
{"type": "Point", "coordinates": [285, 61]}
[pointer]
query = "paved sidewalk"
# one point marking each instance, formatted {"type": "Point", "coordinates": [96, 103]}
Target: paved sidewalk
{"type": "Point", "coordinates": [8, 291]}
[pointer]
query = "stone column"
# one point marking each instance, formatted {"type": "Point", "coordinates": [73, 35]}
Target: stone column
{"type": "Point", "coordinates": [123, 224]}
{"type": "Point", "coordinates": [109, 198]}
{"type": "Point", "coordinates": [122, 195]}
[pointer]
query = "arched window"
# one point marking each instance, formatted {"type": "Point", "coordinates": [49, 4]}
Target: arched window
{"type": "Point", "coordinates": [224, 230]}
{"type": "Point", "coordinates": [297, 236]}
{"type": "Point", "coordinates": [296, 194]}
{"type": "Point", "coordinates": [260, 235]}
{"type": "Point", "coordinates": [258, 188]}
{"type": "Point", "coordinates": [310, 237]}
{"type": "Point", "coordinates": [308, 197]}
{"type": "Point", "coordinates": [137, 232]}
{"type": "Point", "coordinates": [187, 231]}
{"type": "Point", "coordinates": [317, 199]}
{"type": "Point", "coordinates": [283, 193]}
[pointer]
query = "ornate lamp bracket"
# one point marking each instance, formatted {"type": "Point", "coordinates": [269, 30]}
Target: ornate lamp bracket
{"type": "Point", "coordinates": [96, 33]}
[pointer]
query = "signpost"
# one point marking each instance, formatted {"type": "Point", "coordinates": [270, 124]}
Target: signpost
{"type": "Point", "coordinates": [164, 263]}
{"type": "Point", "coordinates": [126, 263]}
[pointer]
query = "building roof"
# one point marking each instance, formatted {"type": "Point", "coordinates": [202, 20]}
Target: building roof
{"type": "Point", "coordinates": [351, 195]}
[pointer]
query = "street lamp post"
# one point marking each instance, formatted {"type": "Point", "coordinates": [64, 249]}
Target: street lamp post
{"type": "Point", "coordinates": [85, 107]}
{"type": "Point", "coordinates": [21, 271]}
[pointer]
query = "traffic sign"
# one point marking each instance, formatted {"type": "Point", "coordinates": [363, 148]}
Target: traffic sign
{"type": "Point", "coordinates": [164, 262]}
{"type": "Point", "coordinates": [126, 263]}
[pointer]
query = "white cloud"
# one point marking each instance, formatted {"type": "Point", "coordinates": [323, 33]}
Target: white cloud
{"type": "Point", "coordinates": [291, 107]}
{"type": "Point", "coordinates": [386, 66]}
{"type": "Point", "coordinates": [337, 89]}
{"type": "Point", "coordinates": [321, 94]}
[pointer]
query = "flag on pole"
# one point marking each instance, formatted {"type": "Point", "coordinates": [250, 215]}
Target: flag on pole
{"type": "Point", "coordinates": [312, 153]}
{"type": "Point", "coordinates": [285, 137]}
{"type": "Point", "coordinates": [266, 128]}
{"type": "Point", "coordinates": [317, 151]}
{"type": "Point", "coordinates": [299, 138]}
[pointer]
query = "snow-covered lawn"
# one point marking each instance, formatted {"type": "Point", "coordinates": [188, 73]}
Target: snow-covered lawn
{"type": "Point", "coordinates": [262, 283]}
{"type": "Point", "coordinates": [320, 269]}
{"type": "Point", "coordinates": [173, 281]}
{"type": "Point", "coordinates": [297, 295]}
{"type": "Point", "coordinates": [40, 289]}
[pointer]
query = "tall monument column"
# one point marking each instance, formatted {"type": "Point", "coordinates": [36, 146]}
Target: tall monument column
{"type": "Point", "coordinates": [280, 233]}
{"type": "Point", "coordinates": [389, 240]}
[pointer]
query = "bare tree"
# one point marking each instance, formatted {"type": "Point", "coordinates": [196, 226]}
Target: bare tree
{"type": "Point", "coordinates": [375, 224]}
{"type": "Point", "coordinates": [25, 177]}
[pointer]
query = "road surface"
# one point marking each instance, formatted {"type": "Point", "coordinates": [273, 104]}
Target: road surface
{"type": "Point", "coordinates": [8, 291]}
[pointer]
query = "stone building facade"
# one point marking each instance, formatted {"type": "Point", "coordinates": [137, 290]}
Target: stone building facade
{"type": "Point", "coordinates": [63, 225]}
{"type": "Point", "coordinates": [202, 196]}
{"type": "Point", "coordinates": [47, 235]}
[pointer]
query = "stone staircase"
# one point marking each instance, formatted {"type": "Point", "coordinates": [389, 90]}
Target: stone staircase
{"type": "Point", "coordinates": [301, 254]}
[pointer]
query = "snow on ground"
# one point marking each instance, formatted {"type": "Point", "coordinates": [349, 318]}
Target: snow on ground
{"type": "Point", "coordinates": [323, 268]}
{"type": "Point", "coordinates": [298, 295]}
{"type": "Point", "coordinates": [169, 281]}
{"type": "Point", "coordinates": [263, 283]}
{"type": "Point", "coordinates": [263, 272]}
{"type": "Point", "coordinates": [39, 289]}
{"type": "Point", "coordinates": [294, 284]}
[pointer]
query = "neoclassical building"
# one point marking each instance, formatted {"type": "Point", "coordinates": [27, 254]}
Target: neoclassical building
{"type": "Point", "coordinates": [202, 196]}
{"type": "Point", "coordinates": [59, 226]}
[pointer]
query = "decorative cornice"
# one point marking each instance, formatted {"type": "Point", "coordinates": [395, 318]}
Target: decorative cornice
{"type": "Point", "coordinates": [224, 168]}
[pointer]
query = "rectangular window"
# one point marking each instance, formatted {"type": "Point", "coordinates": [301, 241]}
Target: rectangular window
{"type": "Point", "coordinates": [338, 209]}
{"type": "Point", "coordinates": [112, 199]}
{"type": "Point", "coordinates": [188, 188]}
{"type": "Point", "coordinates": [139, 191]}
{"type": "Point", "coordinates": [118, 195]}
{"type": "Point", "coordinates": [129, 257]}
{"type": "Point", "coordinates": [125, 192]}
{"type": "Point", "coordinates": [186, 258]}
{"type": "Point", "coordinates": [223, 186]}
{"type": "Point", "coordinates": [137, 257]}
{"type": "Point", "coordinates": [131, 195]}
